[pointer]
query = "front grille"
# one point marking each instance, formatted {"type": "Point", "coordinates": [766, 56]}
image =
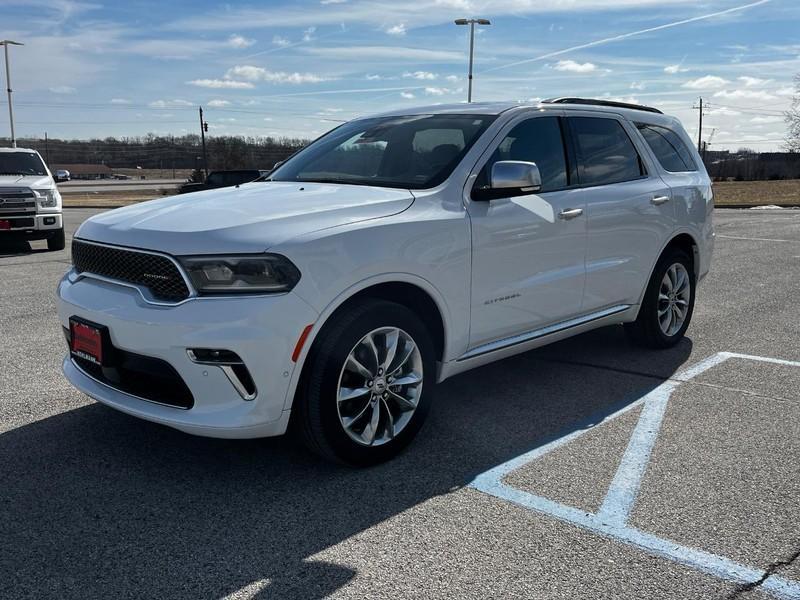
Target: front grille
{"type": "Point", "coordinates": [145, 377]}
{"type": "Point", "coordinates": [10, 195]}
{"type": "Point", "coordinates": [7, 206]}
{"type": "Point", "coordinates": [156, 273]}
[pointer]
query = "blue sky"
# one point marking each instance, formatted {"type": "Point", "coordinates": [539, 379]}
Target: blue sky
{"type": "Point", "coordinates": [97, 69]}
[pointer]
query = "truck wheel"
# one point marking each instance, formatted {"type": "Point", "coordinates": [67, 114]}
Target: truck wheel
{"type": "Point", "coordinates": [56, 241]}
{"type": "Point", "coordinates": [668, 303]}
{"type": "Point", "coordinates": [367, 384]}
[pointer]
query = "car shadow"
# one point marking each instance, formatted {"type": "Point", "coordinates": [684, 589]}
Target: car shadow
{"type": "Point", "coordinates": [18, 248]}
{"type": "Point", "coordinates": [94, 503]}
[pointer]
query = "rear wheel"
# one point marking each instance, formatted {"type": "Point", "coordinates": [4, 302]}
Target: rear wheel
{"type": "Point", "coordinates": [367, 385]}
{"type": "Point", "coordinates": [56, 241]}
{"type": "Point", "coordinates": [668, 303]}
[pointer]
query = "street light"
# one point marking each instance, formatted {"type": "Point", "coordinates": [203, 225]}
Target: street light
{"type": "Point", "coordinates": [6, 44]}
{"type": "Point", "coordinates": [471, 23]}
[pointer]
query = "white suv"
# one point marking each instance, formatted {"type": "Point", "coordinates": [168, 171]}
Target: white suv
{"type": "Point", "coordinates": [30, 205]}
{"type": "Point", "coordinates": [387, 256]}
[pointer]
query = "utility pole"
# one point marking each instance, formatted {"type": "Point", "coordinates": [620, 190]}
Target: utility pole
{"type": "Point", "coordinates": [471, 23]}
{"type": "Point", "coordinates": [700, 126]}
{"type": "Point", "coordinates": [6, 44]}
{"type": "Point", "coordinates": [203, 129]}
{"type": "Point", "coordinates": [46, 150]}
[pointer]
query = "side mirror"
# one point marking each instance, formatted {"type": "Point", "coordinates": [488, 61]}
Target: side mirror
{"type": "Point", "coordinates": [519, 175]}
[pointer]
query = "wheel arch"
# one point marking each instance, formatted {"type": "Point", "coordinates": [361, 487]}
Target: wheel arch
{"type": "Point", "coordinates": [683, 240]}
{"type": "Point", "coordinates": [409, 290]}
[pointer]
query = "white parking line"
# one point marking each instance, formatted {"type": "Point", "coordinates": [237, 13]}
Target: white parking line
{"type": "Point", "coordinates": [611, 520]}
{"type": "Point", "coordinates": [755, 239]}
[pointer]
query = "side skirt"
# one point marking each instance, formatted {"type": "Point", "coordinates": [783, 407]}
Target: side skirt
{"type": "Point", "coordinates": [499, 349]}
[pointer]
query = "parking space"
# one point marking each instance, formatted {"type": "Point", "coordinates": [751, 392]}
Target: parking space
{"type": "Point", "coordinates": [585, 469]}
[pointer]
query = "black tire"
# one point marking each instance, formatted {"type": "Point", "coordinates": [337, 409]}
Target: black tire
{"type": "Point", "coordinates": [56, 241]}
{"type": "Point", "coordinates": [646, 330]}
{"type": "Point", "coordinates": [316, 414]}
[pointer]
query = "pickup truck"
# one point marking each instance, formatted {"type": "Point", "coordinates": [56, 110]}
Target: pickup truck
{"type": "Point", "coordinates": [30, 204]}
{"type": "Point", "coordinates": [222, 179]}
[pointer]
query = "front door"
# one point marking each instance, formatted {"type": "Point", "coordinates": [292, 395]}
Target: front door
{"type": "Point", "coordinates": [528, 251]}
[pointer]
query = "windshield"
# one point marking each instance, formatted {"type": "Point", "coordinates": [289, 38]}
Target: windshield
{"type": "Point", "coordinates": [21, 163]}
{"type": "Point", "coordinates": [411, 152]}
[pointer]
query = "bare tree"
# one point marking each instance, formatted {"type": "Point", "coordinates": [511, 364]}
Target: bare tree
{"type": "Point", "coordinates": [793, 119]}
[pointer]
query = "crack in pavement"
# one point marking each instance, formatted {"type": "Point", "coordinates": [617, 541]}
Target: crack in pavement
{"type": "Point", "coordinates": [771, 570]}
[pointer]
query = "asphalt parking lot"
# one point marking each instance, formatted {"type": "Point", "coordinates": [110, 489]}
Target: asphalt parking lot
{"type": "Point", "coordinates": [586, 469]}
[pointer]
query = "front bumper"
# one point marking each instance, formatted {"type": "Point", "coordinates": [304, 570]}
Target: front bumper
{"type": "Point", "coordinates": [262, 330]}
{"type": "Point", "coordinates": [33, 223]}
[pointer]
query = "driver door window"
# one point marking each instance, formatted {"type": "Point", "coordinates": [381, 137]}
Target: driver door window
{"type": "Point", "coordinates": [536, 140]}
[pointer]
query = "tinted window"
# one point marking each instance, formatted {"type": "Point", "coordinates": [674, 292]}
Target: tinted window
{"type": "Point", "coordinates": [535, 140]}
{"type": "Point", "coordinates": [605, 152]}
{"type": "Point", "coordinates": [668, 147]}
{"type": "Point", "coordinates": [21, 163]}
{"type": "Point", "coordinates": [414, 152]}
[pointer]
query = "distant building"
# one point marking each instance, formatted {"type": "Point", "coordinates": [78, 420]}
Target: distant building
{"type": "Point", "coordinates": [85, 171]}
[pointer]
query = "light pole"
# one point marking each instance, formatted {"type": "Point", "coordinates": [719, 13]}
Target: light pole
{"type": "Point", "coordinates": [6, 44]}
{"type": "Point", "coordinates": [471, 23]}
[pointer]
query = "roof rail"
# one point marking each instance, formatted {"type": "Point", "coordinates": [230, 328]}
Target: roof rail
{"type": "Point", "coordinates": [596, 102]}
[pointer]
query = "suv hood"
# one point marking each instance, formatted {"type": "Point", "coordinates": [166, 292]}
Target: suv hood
{"type": "Point", "coordinates": [36, 182]}
{"type": "Point", "coordinates": [249, 218]}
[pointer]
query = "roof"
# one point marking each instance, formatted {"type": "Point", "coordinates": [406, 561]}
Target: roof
{"type": "Point", "coordinates": [17, 150]}
{"type": "Point", "coordinates": [633, 112]}
{"type": "Point", "coordinates": [82, 169]}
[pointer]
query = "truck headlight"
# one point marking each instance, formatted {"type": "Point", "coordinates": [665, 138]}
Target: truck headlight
{"type": "Point", "coordinates": [252, 274]}
{"type": "Point", "coordinates": [48, 198]}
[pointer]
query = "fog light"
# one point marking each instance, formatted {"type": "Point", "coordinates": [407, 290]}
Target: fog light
{"type": "Point", "coordinates": [49, 220]}
{"type": "Point", "coordinates": [231, 365]}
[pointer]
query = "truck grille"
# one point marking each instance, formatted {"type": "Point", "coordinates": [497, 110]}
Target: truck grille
{"type": "Point", "coordinates": [156, 273]}
{"type": "Point", "coordinates": [16, 199]}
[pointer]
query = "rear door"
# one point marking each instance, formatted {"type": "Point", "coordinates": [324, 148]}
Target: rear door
{"type": "Point", "coordinates": [628, 207]}
{"type": "Point", "coordinates": [527, 257]}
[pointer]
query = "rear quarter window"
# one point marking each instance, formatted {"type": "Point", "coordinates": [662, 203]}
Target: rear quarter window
{"type": "Point", "coordinates": [605, 152]}
{"type": "Point", "coordinates": [669, 148]}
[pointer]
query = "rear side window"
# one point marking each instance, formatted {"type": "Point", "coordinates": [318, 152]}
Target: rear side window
{"type": "Point", "coordinates": [605, 152]}
{"type": "Point", "coordinates": [535, 140]}
{"type": "Point", "coordinates": [668, 147]}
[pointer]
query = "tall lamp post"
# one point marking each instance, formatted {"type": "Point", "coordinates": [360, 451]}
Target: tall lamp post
{"type": "Point", "coordinates": [6, 44]}
{"type": "Point", "coordinates": [471, 23]}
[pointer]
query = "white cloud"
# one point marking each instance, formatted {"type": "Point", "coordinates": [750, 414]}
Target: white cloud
{"type": "Point", "coordinates": [281, 41]}
{"type": "Point", "coordinates": [425, 75]}
{"type": "Point", "coordinates": [219, 103]}
{"type": "Point", "coordinates": [574, 67]}
{"type": "Point", "coordinates": [399, 29]}
{"type": "Point", "coordinates": [308, 34]}
{"type": "Point", "coordinates": [407, 95]}
{"type": "Point", "coordinates": [392, 53]}
{"type": "Point", "coordinates": [371, 77]}
{"type": "Point", "coordinates": [169, 104]}
{"type": "Point", "coordinates": [785, 91]}
{"type": "Point", "coordinates": [638, 85]}
{"type": "Point", "coordinates": [63, 89]}
{"type": "Point", "coordinates": [436, 91]}
{"type": "Point", "coordinates": [724, 111]}
{"type": "Point", "coordinates": [452, 78]}
{"type": "Point", "coordinates": [220, 84]}
{"type": "Point", "coordinates": [744, 95]}
{"type": "Point", "coordinates": [673, 69]}
{"type": "Point", "coordinates": [765, 120]}
{"type": "Point", "coordinates": [709, 82]}
{"type": "Point", "coordinates": [120, 101]}
{"type": "Point", "coordinates": [332, 1]}
{"type": "Point", "coordinates": [753, 81]}
{"type": "Point", "coordinates": [238, 41]}
{"type": "Point", "coordinates": [252, 73]}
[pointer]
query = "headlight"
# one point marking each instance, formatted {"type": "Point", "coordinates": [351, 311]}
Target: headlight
{"type": "Point", "coordinates": [48, 198]}
{"type": "Point", "coordinates": [261, 273]}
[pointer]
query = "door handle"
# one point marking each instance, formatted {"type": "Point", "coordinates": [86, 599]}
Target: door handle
{"type": "Point", "coordinates": [570, 213]}
{"type": "Point", "coordinates": [658, 200]}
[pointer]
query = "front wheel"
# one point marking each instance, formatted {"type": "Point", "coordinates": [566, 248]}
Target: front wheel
{"type": "Point", "coordinates": [367, 385]}
{"type": "Point", "coordinates": [56, 241]}
{"type": "Point", "coordinates": [667, 305]}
